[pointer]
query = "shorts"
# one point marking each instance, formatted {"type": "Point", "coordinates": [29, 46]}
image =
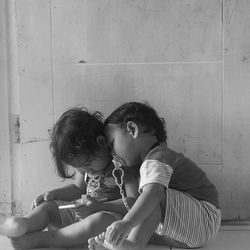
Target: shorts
{"type": "Point", "coordinates": [68, 216]}
{"type": "Point", "coordinates": [189, 220]}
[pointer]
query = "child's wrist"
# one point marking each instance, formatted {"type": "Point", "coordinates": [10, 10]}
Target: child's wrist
{"type": "Point", "coordinates": [130, 224]}
{"type": "Point", "coordinates": [129, 221]}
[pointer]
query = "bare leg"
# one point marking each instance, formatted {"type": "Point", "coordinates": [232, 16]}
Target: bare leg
{"type": "Point", "coordinates": [11, 226]}
{"type": "Point", "coordinates": [74, 235]}
{"type": "Point", "coordinates": [138, 237]}
{"type": "Point", "coordinates": [36, 220]}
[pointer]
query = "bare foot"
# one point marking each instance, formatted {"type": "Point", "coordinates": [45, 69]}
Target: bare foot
{"type": "Point", "coordinates": [92, 243]}
{"type": "Point", "coordinates": [13, 226]}
{"type": "Point", "coordinates": [99, 240]}
{"type": "Point", "coordinates": [27, 241]}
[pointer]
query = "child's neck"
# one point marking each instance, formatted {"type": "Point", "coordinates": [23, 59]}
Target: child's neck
{"type": "Point", "coordinates": [147, 142]}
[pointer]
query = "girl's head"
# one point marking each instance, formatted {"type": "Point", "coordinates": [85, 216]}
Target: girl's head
{"type": "Point", "coordinates": [131, 121]}
{"type": "Point", "coordinates": [78, 140]}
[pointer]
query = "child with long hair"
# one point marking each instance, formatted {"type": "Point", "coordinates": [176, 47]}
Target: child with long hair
{"type": "Point", "coordinates": [78, 141]}
{"type": "Point", "coordinates": [177, 206]}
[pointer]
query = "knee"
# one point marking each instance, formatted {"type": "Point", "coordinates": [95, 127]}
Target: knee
{"type": "Point", "coordinates": [16, 221]}
{"type": "Point", "coordinates": [99, 221]}
{"type": "Point", "coordinates": [48, 207]}
{"type": "Point", "coordinates": [15, 226]}
{"type": "Point", "coordinates": [104, 217]}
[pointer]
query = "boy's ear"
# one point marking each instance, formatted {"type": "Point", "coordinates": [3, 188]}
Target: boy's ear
{"type": "Point", "coordinates": [133, 129]}
{"type": "Point", "coordinates": [101, 140]}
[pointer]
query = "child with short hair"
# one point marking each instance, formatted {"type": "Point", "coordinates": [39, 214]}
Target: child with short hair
{"type": "Point", "coordinates": [77, 140]}
{"type": "Point", "coordinates": [177, 206]}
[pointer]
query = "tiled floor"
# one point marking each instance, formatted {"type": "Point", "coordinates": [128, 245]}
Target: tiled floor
{"type": "Point", "coordinates": [229, 238]}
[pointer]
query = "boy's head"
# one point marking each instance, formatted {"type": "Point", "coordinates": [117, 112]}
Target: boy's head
{"type": "Point", "coordinates": [130, 121]}
{"type": "Point", "coordinates": [77, 139]}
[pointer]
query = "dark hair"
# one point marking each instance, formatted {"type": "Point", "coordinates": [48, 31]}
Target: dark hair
{"type": "Point", "coordinates": [143, 115]}
{"type": "Point", "coordinates": [75, 132]}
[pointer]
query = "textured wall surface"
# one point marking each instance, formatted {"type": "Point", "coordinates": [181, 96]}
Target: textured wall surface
{"type": "Point", "coordinates": [189, 59]}
{"type": "Point", "coordinates": [5, 148]}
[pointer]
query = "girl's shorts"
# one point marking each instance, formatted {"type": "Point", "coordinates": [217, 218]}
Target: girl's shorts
{"type": "Point", "coordinates": [68, 216]}
{"type": "Point", "coordinates": [189, 220]}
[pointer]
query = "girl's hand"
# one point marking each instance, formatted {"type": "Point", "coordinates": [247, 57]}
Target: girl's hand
{"type": "Point", "coordinates": [117, 232]}
{"type": "Point", "coordinates": [88, 207]}
{"type": "Point", "coordinates": [48, 196]}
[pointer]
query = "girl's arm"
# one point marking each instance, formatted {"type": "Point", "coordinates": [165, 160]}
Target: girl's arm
{"type": "Point", "coordinates": [131, 186]}
{"type": "Point", "coordinates": [72, 191]}
{"type": "Point", "coordinates": [67, 193]}
{"type": "Point", "coordinates": [117, 205]}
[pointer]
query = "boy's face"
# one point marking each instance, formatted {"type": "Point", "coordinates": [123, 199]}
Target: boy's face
{"type": "Point", "coordinates": [122, 144]}
{"type": "Point", "coordinates": [91, 165]}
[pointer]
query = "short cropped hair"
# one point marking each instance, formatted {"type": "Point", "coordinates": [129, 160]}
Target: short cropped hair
{"type": "Point", "coordinates": [143, 115]}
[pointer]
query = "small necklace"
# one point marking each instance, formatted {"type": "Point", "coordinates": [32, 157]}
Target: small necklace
{"type": "Point", "coordinates": [94, 181]}
{"type": "Point", "coordinates": [118, 163]}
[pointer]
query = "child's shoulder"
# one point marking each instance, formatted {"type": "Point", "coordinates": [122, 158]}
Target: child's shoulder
{"type": "Point", "coordinates": [163, 153]}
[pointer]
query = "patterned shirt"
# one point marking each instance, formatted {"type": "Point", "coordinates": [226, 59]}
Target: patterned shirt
{"type": "Point", "coordinates": [102, 186]}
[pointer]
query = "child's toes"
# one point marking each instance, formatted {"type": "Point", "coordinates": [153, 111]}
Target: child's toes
{"type": "Point", "coordinates": [100, 238]}
{"type": "Point", "coordinates": [92, 243]}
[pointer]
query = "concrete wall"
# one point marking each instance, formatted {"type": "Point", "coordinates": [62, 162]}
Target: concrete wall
{"type": "Point", "coordinates": [5, 148]}
{"type": "Point", "coordinates": [189, 59]}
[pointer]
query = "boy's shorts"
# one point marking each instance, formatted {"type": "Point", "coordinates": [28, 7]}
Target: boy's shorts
{"type": "Point", "coordinates": [68, 216]}
{"type": "Point", "coordinates": [189, 220]}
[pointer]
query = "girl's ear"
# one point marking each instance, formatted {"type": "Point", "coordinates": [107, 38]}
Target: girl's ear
{"type": "Point", "coordinates": [101, 140]}
{"type": "Point", "coordinates": [133, 129]}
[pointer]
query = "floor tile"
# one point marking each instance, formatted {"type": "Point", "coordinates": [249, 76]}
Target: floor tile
{"type": "Point", "coordinates": [229, 238]}
{"type": "Point", "coordinates": [5, 243]}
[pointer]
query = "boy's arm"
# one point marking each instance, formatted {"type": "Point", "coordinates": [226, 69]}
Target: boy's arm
{"type": "Point", "coordinates": [148, 200]}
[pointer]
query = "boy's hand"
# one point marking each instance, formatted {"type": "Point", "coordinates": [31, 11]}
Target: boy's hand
{"type": "Point", "coordinates": [41, 198]}
{"type": "Point", "coordinates": [117, 232]}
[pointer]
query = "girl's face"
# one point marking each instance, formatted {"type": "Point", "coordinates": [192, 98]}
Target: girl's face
{"type": "Point", "coordinates": [122, 144]}
{"type": "Point", "coordinates": [91, 165]}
